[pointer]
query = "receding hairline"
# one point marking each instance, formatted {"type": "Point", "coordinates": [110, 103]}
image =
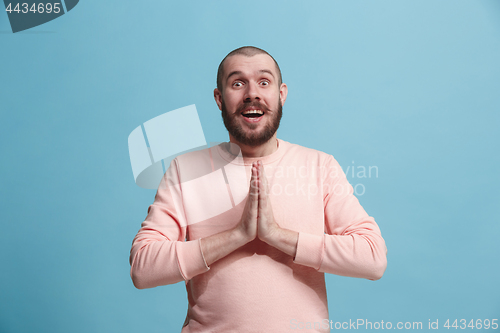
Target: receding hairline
{"type": "Point", "coordinates": [247, 51]}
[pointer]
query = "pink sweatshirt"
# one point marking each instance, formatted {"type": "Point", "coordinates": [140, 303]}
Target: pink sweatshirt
{"type": "Point", "coordinates": [256, 288]}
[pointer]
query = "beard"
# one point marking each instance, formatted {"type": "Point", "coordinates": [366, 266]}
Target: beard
{"type": "Point", "coordinates": [252, 139]}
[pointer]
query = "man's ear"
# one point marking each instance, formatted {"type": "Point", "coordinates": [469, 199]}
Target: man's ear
{"type": "Point", "coordinates": [218, 98]}
{"type": "Point", "coordinates": [283, 93]}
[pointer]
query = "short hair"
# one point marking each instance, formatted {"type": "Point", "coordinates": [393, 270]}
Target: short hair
{"type": "Point", "coordinates": [247, 51]}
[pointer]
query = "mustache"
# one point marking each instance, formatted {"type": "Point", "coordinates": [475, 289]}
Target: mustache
{"type": "Point", "coordinates": [252, 104]}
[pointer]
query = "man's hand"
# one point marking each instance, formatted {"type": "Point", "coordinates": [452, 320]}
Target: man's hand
{"type": "Point", "coordinates": [248, 223]}
{"type": "Point", "coordinates": [219, 245]}
{"type": "Point", "coordinates": [266, 225]}
{"type": "Point", "coordinates": [257, 220]}
{"type": "Point", "coordinates": [268, 230]}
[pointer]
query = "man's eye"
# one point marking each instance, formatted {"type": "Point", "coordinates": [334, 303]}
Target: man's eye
{"type": "Point", "coordinates": [265, 83]}
{"type": "Point", "coordinates": [237, 84]}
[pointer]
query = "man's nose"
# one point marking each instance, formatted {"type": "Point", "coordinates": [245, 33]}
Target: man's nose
{"type": "Point", "coordinates": [252, 92]}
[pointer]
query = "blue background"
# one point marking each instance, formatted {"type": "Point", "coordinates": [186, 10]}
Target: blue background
{"type": "Point", "coordinates": [408, 86]}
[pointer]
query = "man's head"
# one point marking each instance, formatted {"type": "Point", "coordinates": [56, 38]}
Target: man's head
{"type": "Point", "coordinates": [247, 51]}
{"type": "Point", "coordinates": [249, 80]}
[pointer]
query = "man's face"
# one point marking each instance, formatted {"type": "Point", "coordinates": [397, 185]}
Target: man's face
{"type": "Point", "coordinates": [252, 100]}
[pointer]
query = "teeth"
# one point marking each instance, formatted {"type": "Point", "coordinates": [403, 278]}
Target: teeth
{"type": "Point", "coordinates": [253, 111]}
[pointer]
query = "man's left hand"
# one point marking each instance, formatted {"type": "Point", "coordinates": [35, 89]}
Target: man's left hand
{"type": "Point", "coordinates": [266, 225]}
{"type": "Point", "coordinates": [268, 230]}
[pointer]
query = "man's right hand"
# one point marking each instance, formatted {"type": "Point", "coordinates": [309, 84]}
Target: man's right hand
{"type": "Point", "coordinates": [248, 223]}
{"type": "Point", "coordinates": [217, 246]}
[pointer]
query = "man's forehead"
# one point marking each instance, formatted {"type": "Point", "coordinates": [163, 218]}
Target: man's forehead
{"type": "Point", "coordinates": [244, 64]}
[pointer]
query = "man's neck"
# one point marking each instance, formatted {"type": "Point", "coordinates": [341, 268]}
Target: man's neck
{"type": "Point", "coordinates": [259, 151]}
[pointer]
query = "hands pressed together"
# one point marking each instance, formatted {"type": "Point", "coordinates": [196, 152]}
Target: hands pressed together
{"type": "Point", "coordinates": [257, 219]}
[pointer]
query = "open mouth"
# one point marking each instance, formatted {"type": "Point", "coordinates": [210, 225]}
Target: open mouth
{"type": "Point", "coordinates": [252, 113]}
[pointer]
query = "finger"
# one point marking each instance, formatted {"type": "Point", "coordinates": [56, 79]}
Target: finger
{"type": "Point", "coordinates": [262, 190]}
{"type": "Point", "coordinates": [254, 185]}
{"type": "Point", "coordinates": [263, 179]}
{"type": "Point", "coordinates": [253, 196]}
{"type": "Point", "coordinates": [263, 175]}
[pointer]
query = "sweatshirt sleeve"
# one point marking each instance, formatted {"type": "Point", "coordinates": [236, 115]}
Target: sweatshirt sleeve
{"type": "Point", "coordinates": [352, 244]}
{"type": "Point", "coordinates": [159, 254]}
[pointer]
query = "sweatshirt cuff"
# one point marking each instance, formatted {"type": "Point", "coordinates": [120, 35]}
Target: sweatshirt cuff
{"type": "Point", "coordinates": [190, 259]}
{"type": "Point", "coordinates": [309, 250]}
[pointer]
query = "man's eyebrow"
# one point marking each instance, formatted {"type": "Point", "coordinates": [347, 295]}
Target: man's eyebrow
{"type": "Point", "coordinates": [239, 72]}
{"type": "Point", "coordinates": [233, 73]}
{"type": "Point", "coordinates": [267, 71]}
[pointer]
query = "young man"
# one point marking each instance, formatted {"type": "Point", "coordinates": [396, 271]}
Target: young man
{"type": "Point", "coordinates": [256, 264]}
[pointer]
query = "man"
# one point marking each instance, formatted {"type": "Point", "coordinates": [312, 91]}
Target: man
{"type": "Point", "coordinates": [258, 266]}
